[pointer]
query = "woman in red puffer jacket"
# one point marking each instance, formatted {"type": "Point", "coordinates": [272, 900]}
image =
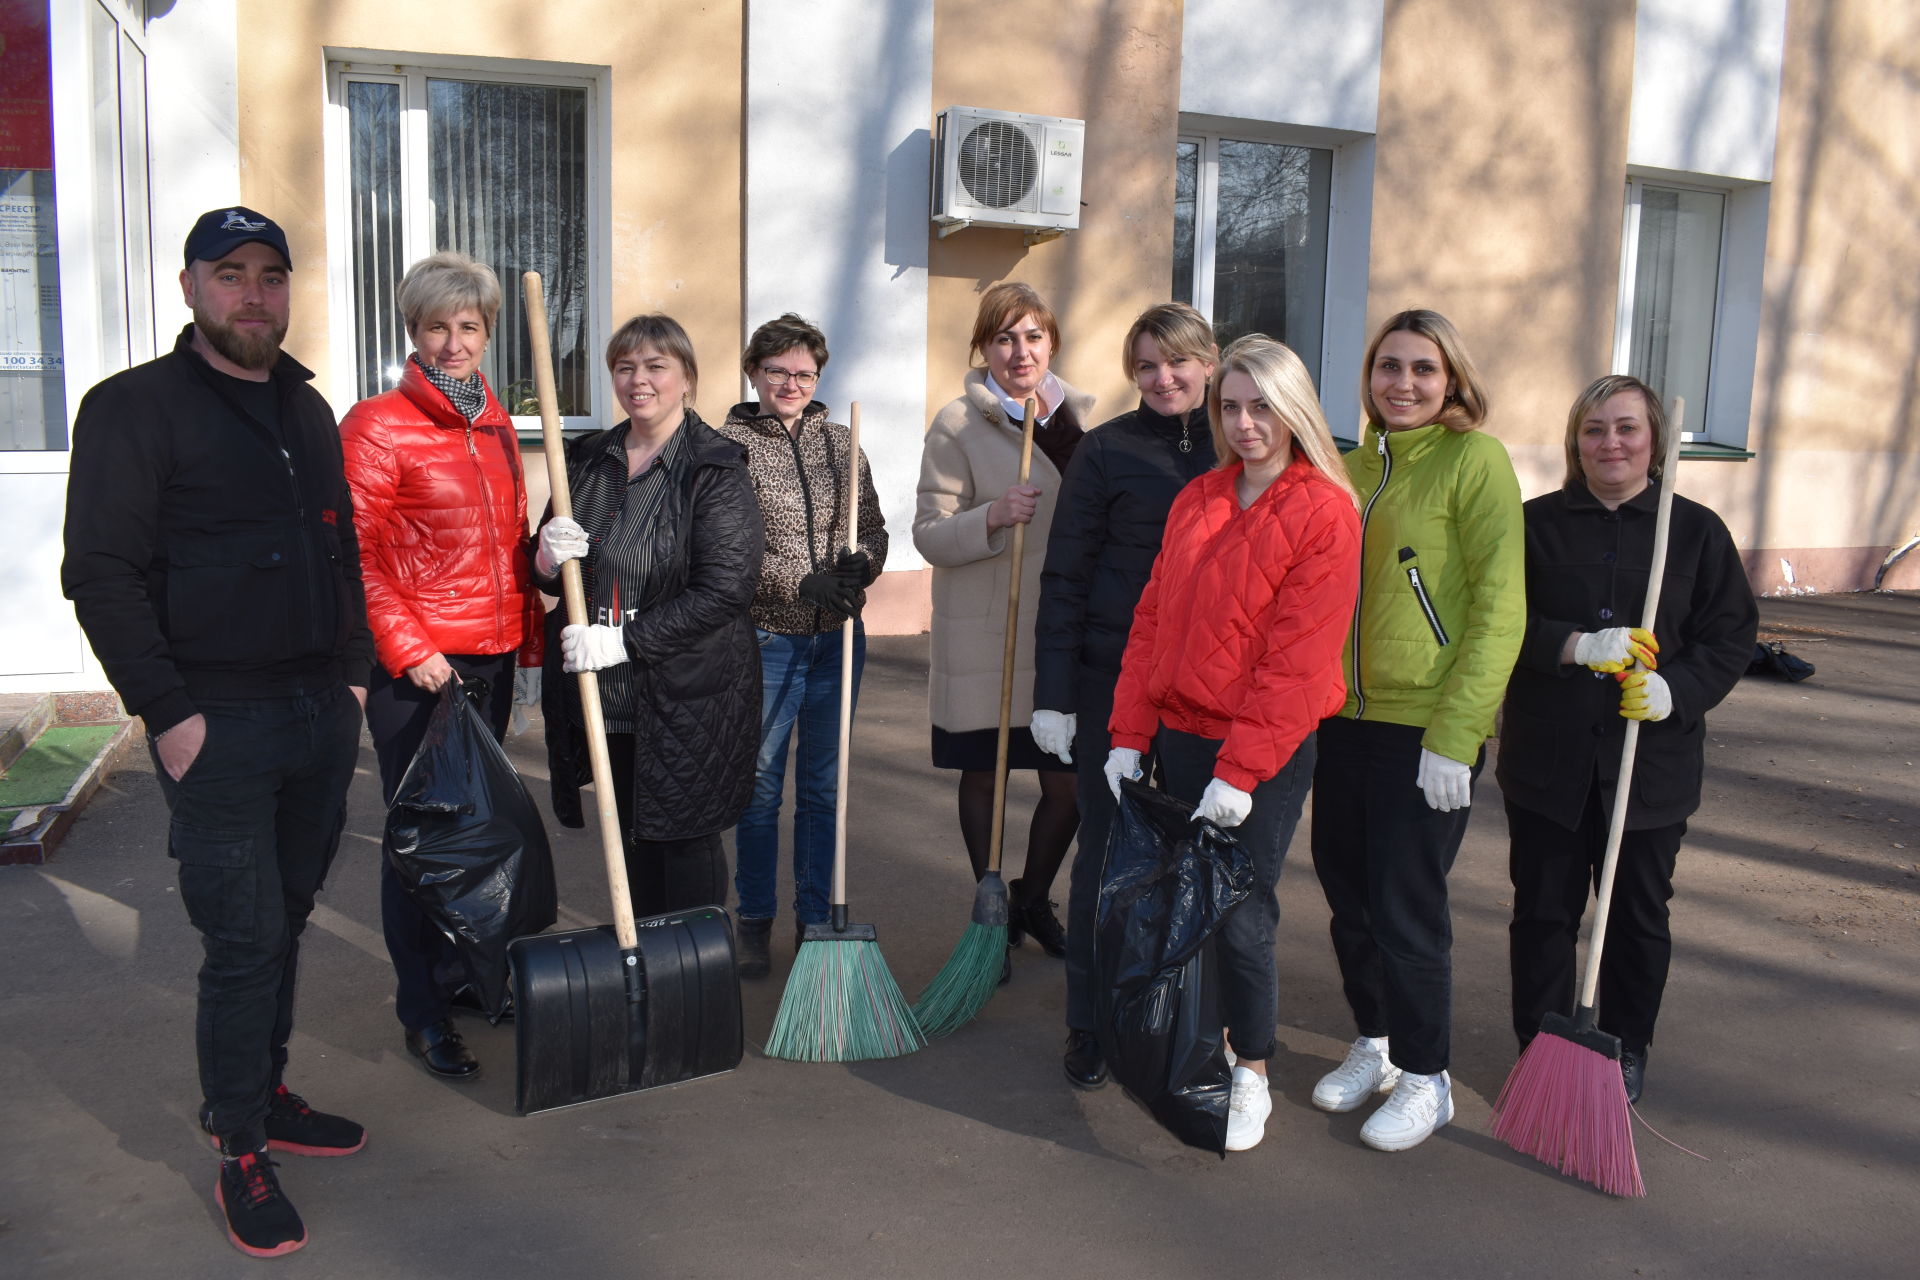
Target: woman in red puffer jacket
{"type": "Point", "coordinates": [440, 507]}
{"type": "Point", "coordinates": [1255, 581]}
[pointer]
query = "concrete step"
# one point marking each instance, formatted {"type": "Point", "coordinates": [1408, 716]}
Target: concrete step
{"type": "Point", "coordinates": [55, 773]}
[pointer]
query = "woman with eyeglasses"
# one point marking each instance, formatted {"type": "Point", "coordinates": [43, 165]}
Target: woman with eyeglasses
{"type": "Point", "coordinates": [810, 584]}
{"type": "Point", "coordinates": [970, 498]}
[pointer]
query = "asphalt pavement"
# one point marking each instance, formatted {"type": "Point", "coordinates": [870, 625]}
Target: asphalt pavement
{"type": "Point", "coordinates": [1784, 1083]}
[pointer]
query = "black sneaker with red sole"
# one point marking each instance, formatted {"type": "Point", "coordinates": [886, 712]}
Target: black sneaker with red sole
{"type": "Point", "coordinates": [297, 1129]}
{"type": "Point", "coordinates": [261, 1221]}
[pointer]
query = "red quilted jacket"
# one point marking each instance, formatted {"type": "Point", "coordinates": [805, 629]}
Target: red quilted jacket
{"type": "Point", "coordinates": [441, 511]}
{"type": "Point", "coordinates": [1238, 635]}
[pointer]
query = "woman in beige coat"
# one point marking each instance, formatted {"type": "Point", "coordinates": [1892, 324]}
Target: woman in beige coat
{"type": "Point", "coordinates": [970, 497]}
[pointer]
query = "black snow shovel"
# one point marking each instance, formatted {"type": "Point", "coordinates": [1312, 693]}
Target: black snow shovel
{"type": "Point", "coordinates": [612, 1010]}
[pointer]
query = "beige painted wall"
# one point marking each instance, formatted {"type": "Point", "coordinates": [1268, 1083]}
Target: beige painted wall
{"type": "Point", "coordinates": [1115, 64]}
{"type": "Point", "coordinates": [1836, 425]}
{"type": "Point", "coordinates": [676, 135]}
{"type": "Point", "coordinates": [1498, 189]}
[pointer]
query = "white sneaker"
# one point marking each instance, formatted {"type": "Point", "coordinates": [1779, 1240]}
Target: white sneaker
{"type": "Point", "coordinates": [1248, 1109]}
{"type": "Point", "coordinates": [1365, 1073]}
{"type": "Point", "coordinates": [1419, 1105]}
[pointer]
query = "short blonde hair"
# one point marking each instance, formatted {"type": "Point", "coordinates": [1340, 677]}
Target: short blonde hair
{"type": "Point", "coordinates": [444, 285]}
{"type": "Point", "coordinates": [1466, 404]}
{"type": "Point", "coordinates": [1598, 392]}
{"type": "Point", "coordinates": [1177, 329]}
{"type": "Point", "coordinates": [1006, 302]}
{"type": "Point", "coordinates": [1287, 387]}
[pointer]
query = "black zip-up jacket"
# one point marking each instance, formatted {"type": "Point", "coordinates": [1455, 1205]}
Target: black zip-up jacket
{"type": "Point", "coordinates": [1587, 570]}
{"type": "Point", "coordinates": [204, 559]}
{"type": "Point", "coordinates": [1107, 527]}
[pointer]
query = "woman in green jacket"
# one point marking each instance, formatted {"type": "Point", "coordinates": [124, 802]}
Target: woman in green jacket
{"type": "Point", "coordinates": [1435, 633]}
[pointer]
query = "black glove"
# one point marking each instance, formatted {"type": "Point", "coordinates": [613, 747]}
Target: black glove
{"type": "Point", "coordinates": [853, 568]}
{"type": "Point", "coordinates": [823, 589]}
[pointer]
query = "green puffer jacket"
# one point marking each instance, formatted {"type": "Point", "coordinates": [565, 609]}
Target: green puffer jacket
{"type": "Point", "coordinates": [1443, 601]}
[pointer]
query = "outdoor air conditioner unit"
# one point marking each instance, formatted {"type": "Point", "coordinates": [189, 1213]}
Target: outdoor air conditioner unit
{"type": "Point", "coordinates": [1004, 169]}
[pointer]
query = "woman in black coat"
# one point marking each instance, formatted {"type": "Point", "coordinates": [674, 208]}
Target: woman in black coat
{"type": "Point", "coordinates": [1589, 555]}
{"type": "Point", "coordinates": [1106, 532]}
{"type": "Point", "coordinates": [670, 536]}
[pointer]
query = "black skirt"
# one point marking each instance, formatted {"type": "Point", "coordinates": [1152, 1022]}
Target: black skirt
{"type": "Point", "coordinates": [974, 750]}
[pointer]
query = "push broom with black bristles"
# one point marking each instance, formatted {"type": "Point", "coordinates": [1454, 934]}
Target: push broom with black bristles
{"type": "Point", "coordinates": [1565, 1103]}
{"type": "Point", "coordinates": [841, 1003]}
{"type": "Point", "coordinates": [972, 973]}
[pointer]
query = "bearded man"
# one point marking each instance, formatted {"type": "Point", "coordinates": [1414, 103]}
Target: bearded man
{"type": "Point", "coordinates": [210, 556]}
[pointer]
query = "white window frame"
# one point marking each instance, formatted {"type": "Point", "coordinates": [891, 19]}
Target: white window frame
{"type": "Point", "coordinates": [1343, 309]}
{"type": "Point", "coordinates": [1718, 428]}
{"type": "Point", "coordinates": [412, 71]}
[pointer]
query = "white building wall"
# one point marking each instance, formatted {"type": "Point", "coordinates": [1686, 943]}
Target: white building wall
{"type": "Point", "coordinates": [1706, 86]}
{"type": "Point", "coordinates": [839, 93]}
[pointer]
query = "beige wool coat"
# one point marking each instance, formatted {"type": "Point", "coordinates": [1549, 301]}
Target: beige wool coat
{"type": "Point", "coordinates": [971, 457]}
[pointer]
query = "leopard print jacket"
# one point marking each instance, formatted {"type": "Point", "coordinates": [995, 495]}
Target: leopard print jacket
{"type": "Point", "coordinates": [801, 481]}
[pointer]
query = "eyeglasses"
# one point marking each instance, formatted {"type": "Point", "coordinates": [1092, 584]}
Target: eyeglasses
{"type": "Point", "coordinates": [779, 377]}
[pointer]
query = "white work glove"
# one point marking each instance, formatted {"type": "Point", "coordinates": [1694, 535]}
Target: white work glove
{"type": "Point", "coordinates": [526, 693]}
{"type": "Point", "coordinates": [1448, 783]}
{"type": "Point", "coordinates": [1122, 762]}
{"type": "Point", "coordinates": [1223, 805]}
{"type": "Point", "coordinates": [1616, 649]}
{"type": "Point", "coordinates": [561, 539]}
{"type": "Point", "coordinates": [1053, 731]}
{"type": "Point", "coordinates": [591, 647]}
{"type": "Point", "coordinates": [1644, 696]}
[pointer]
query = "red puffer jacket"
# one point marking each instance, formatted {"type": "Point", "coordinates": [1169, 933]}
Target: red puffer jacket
{"type": "Point", "coordinates": [1255, 606]}
{"type": "Point", "coordinates": [441, 511]}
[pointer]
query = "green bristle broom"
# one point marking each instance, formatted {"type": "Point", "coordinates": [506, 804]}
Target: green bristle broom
{"type": "Point", "coordinates": [841, 1003]}
{"type": "Point", "coordinates": [972, 973]}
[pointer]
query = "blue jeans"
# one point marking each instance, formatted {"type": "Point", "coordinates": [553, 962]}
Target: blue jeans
{"type": "Point", "coordinates": [800, 686]}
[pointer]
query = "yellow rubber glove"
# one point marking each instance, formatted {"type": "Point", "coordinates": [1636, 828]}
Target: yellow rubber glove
{"type": "Point", "coordinates": [1616, 649]}
{"type": "Point", "coordinates": [1644, 696]}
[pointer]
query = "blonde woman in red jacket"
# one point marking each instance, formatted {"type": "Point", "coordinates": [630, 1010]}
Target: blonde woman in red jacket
{"type": "Point", "coordinates": [440, 506]}
{"type": "Point", "coordinates": [1256, 581]}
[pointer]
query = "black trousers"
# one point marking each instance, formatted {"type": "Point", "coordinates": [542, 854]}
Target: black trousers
{"type": "Point", "coordinates": [1249, 986]}
{"type": "Point", "coordinates": [1091, 743]}
{"type": "Point", "coordinates": [1554, 872]}
{"type": "Point", "coordinates": [1383, 856]}
{"type": "Point", "coordinates": [664, 875]}
{"type": "Point", "coordinates": [425, 964]}
{"type": "Point", "coordinates": [255, 824]}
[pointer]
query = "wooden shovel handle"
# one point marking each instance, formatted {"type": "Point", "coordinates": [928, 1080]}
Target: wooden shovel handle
{"type": "Point", "coordinates": [612, 846]}
{"type": "Point", "coordinates": [846, 671]}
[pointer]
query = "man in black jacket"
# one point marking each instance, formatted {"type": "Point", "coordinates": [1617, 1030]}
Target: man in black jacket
{"type": "Point", "coordinates": [210, 556]}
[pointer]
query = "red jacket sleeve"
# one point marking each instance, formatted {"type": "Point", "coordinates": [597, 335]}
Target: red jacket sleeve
{"type": "Point", "coordinates": [400, 640]}
{"type": "Point", "coordinates": [1297, 681]}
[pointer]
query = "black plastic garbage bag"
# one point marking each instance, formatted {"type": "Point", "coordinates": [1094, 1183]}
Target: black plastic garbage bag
{"type": "Point", "coordinates": [1168, 886]}
{"type": "Point", "coordinates": [467, 841]}
{"type": "Point", "coordinates": [1770, 658]}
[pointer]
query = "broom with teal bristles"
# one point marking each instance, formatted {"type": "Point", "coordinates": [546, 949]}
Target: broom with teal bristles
{"type": "Point", "coordinates": [841, 1003]}
{"type": "Point", "coordinates": [972, 973]}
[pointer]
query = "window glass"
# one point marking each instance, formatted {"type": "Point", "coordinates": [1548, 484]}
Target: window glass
{"type": "Point", "coordinates": [1675, 291]}
{"type": "Point", "coordinates": [1186, 185]}
{"type": "Point", "coordinates": [504, 179]}
{"type": "Point", "coordinates": [33, 399]}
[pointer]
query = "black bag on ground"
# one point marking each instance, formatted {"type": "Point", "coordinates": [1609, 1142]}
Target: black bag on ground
{"type": "Point", "coordinates": [1168, 885]}
{"type": "Point", "coordinates": [467, 841]}
{"type": "Point", "coordinates": [1770, 658]}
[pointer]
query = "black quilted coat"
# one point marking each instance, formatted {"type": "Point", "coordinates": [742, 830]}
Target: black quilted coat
{"type": "Point", "coordinates": [693, 648]}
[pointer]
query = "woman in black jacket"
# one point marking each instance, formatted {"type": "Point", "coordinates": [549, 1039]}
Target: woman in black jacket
{"type": "Point", "coordinates": [1589, 556]}
{"type": "Point", "coordinates": [669, 534]}
{"type": "Point", "coordinates": [1106, 532]}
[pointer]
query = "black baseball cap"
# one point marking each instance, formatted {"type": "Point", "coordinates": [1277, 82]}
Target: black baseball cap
{"type": "Point", "coordinates": [219, 232]}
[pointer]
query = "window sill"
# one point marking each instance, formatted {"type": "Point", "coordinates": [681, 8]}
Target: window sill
{"type": "Point", "coordinates": [1707, 451]}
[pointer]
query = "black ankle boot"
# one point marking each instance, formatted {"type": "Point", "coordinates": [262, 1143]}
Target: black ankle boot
{"type": "Point", "coordinates": [1633, 1072]}
{"type": "Point", "coordinates": [443, 1051]}
{"type": "Point", "coordinates": [753, 947]}
{"type": "Point", "coordinates": [1037, 918]}
{"type": "Point", "coordinates": [1085, 1065]}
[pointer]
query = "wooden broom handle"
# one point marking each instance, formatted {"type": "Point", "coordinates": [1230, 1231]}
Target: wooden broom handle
{"type": "Point", "coordinates": [1623, 790]}
{"type": "Point", "coordinates": [846, 669]}
{"type": "Point", "coordinates": [1006, 657]}
{"type": "Point", "coordinates": [574, 592]}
